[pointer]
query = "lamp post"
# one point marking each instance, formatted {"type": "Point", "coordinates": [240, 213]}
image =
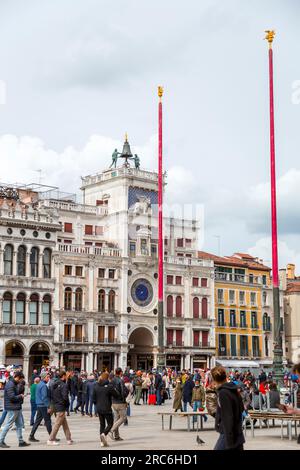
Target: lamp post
{"type": "Point", "coordinates": [277, 359]}
{"type": "Point", "coordinates": [161, 351]}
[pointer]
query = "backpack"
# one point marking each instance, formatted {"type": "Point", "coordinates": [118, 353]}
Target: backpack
{"type": "Point", "coordinates": [122, 389]}
{"type": "Point", "coordinates": [211, 401]}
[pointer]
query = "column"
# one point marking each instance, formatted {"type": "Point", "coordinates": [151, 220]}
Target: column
{"type": "Point", "coordinates": [61, 360]}
{"type": "Point", "coordinates": [41, 265]}
{"type": "Point", "coordinates": [1, 262]}
{"type": "Point", "coordinates": [14, 264]}
{"type": "Point", "coordinates": [72, 331]}
{"type": "Point", "coordinates": [90, 362]}
{"type": "Point", "coordinates": [182, 363]}
{"type": "Point", "coordinates": [123, 359]}
{"type": "Point", "coordinates": [188, 361]}
{"type": "Point", "coordinates": [90, 301]}
{"type": "Point", "coordinates": [106, 300]}
{"type": "Point", "coordinates": [155, 360]}
{"type": "Point", "coordinates": [116, 360]}
{"type": "Point", "coordinates": [14, 307]}
{"type": "Point", "coordinates": [26, 315]}
{"type": "Point", "coordinates": [26, 368]}
{"type": "Point", "coordinates": [82, 361]}
{"type": "Point", "coordinates": [27, 262]}
{"type": "Point", "coordinates": [95, 361]}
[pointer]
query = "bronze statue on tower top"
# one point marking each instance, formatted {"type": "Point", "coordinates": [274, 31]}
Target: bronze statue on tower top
{"type": "Point", "coordinates": [126, 155]}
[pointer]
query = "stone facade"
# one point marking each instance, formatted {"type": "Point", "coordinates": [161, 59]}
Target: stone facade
{"type": "Point", "coordinates": [103, 283]}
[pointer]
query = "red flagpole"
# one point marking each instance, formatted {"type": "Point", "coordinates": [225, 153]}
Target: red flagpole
{"type": "Point", "coordinates": [278, 353]}
{"type": "Point", "coordinates": [273, 174]}
{"type": "Point", "coordinates": [161, 361]}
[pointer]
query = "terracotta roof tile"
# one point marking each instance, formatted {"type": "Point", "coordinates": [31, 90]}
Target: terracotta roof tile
{"type": "Point", "coordinates": [234, 261]}
{"type": "Point", "coordinates": [293, 287]}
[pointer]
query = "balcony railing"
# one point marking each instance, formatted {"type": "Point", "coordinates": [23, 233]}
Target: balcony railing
{"type": "Point", "coordinates": [239, 278]}
{"type": "Point", "coordinates": [72, 339]}
{"type": "Point", "coordinates": [107, 340]}
{"type": "Point", "coordinates": [72, 206]}
{"type": "Point", "coordinates": [89, 250]}
{"type": "Point", "coordinates": [181, 260]}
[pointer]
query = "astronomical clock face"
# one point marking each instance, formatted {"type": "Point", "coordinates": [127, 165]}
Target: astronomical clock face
{"type": "Point", "coordinates": [142, 292]}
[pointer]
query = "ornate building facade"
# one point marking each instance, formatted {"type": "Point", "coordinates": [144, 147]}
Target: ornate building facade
{"type": "Point", "coordinates": [103, 279]}
{"type": "Point", "coordinates": [27, 279]}
{"type": "Point", "coordinates": [244, 311]}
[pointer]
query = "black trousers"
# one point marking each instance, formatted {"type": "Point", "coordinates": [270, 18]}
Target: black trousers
{"type": "Point", "coordinates": [42, 414]}
{"type": "Point", "coordinates": [106, 418]}
{"type": "Point", "coordinates": [145, 395]}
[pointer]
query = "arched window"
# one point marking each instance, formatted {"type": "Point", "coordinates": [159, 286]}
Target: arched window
{"type": "Point", "coordinates": [46, 320]}
{"type": "Point", "coordinates": [34, 309]}
{"type": "Point", "coordinates": [34, 262]}
{"type": "Point", "coordinates": [265, 321]}
{"type": "Point", "coordinates": [169, 306]}
{"type": "Point", "coordinates": [21, 261]}
{"type": "Point", "coordinates": [7, 308]}
{"type": "Point", "coordinates": [8, 260]}
{"type": "Point", "coordinates": [195, 307]}
{"type": "Point", "coordinates": [204, 307]}
{"type": "Point", "coordinates": [47, 263]}
{"type": "Point", "coordinates": [68, 298]}
{"type": "Point", "coordinates": [20, 309]}
{"type": "Point", "coordinates": [111, 301]}
{"type": "Point", "coordinates": [101, 300]}
{"type": "Point", "coordinates": [78, 299]}
{"type": "Point", "coordinates": [178, 306]}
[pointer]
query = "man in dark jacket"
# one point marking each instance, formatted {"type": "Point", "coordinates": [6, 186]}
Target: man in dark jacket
{"type": "Point", "coordinates": [103, 392]}
{"type": "Point", "coordinates": [73, 389]}
{"type": "Point", "coordinates": [43, 406]}
{"type": "Point", "coordinates": [119, 405]}
{"type": "Point", "coordinates": [89, 395]}
{"type": "Point", "coordinates": [187, 392]}
{"type": "Point", "coordinates": [60, 401]}
{"type": "Point", "coordinates": [158, 384]}
{"type": "Point", "coordinates": [13, 401]}
{"type": "Point", "coordinates": [229, 412]}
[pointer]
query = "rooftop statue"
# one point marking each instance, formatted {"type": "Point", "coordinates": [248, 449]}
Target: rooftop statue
{"type": "Point", "coordinates": [115, 158]}
{"type": "Point", "coordinates": [126, 154]}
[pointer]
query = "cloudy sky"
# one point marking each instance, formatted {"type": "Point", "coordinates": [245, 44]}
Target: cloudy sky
{"type": "Point", "coordinates": [75, 76]}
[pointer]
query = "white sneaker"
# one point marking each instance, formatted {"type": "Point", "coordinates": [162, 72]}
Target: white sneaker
{"type": "Point", "coordinates": [70, 442]}
{"type": "Point", "coordinates": [102, 444]}
{"type": "Point", "coordinates": [52, 443]}
{"type": "Point", "coordinates": [103, 440]}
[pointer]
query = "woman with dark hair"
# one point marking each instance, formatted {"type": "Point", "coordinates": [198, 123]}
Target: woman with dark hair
{"type": "Point", "coordinates": [102, 398]}
{"type": "Point", "coordinates": [229, 412]}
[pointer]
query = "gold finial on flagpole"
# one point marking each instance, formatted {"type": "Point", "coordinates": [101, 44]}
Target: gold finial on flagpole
{"type": "Point", "coordinates": [270, 33]}
{"type": "Point", "coordinates": [160, 92]}
{"type": "Point", "coordinates": [126, 137]}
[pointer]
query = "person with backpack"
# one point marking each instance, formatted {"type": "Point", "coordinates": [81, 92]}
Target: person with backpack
{"type": "Point", "coordinates": [13, 401]}
{"type": "Point", "coordinates": [229, 412]}
{"type": "Point", "coordinates": [60, 401]}
{"type": "Point", "coordinates": [103, 391]}
{"type": "Point", "coordinates": [119, 405]}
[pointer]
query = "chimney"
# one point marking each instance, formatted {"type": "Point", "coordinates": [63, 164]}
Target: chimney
{"type": "Point", "coordinates": [290, 271]}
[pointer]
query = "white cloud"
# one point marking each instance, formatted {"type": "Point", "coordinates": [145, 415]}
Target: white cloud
{"type": "Point", "coordinates": [26, 155]}
{"type": "Point", "coordinates": [263, 249]}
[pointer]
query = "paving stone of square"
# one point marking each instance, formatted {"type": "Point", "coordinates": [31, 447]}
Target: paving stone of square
{"type": "Point", "coordinates": [144, 432]}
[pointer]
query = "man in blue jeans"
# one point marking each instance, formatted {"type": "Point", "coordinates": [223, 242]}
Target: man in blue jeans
{"type": "Point", "coordinates": [13, 405]}
{"type": "Point", "coordinates": [43, 406]}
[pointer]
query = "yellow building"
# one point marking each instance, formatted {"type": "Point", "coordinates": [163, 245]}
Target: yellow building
{"type": "Point", "coordinates": [242, 314]}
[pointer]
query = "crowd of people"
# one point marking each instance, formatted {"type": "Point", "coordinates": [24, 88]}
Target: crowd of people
{"type": "Point", "coordinates": [110, 396]}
